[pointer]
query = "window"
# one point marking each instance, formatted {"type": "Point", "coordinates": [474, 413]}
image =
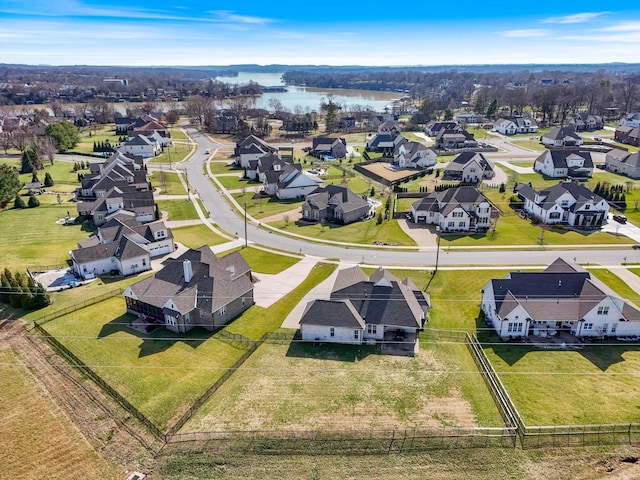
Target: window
{"type": "Point", "coordinates": [201, 313]}
{"type": "Point", "coordinates": [587, 207]}
{"type": "Point", "coordinates": [144, 262]}
{"type": "Point", "coordinates": [554, 215]}
{"type": "Point", "coordinates": [372, 329]}
{"type": "Point", "coordinates": [222, 310]}
{"type": "Point", "coordinates": [187, 318]}
{"type": "Point", "coordinates": [603, 310]}
{"type": "Point", "coordinates": [457, 215]}
{"type": "Point", "coordinates": [587, 326]}
{"type": "Point", "coordinates": [332, 332]}
{"type": "Point", "coordinates": [356, 334]}
{"type": "Point", "coordinates": [461, 224]}
{"type": "Point", "coordinates": [243, 300]}
{"type": "Point", "coordinates": [605, 328]}
{"type": "Point", "coordinates": [614, 327]}
{"type": "Point", "coordinates": [565, 203]}
{"type": "Point", "coordinates": [514, 327]}
{"type": "Point", "coordinates": [171, 320]}
{"type": "Point", "coordinates": [451, 224]}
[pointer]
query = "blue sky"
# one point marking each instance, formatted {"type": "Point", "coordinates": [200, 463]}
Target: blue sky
{"type": "Point", "coordinates": [187, 32]}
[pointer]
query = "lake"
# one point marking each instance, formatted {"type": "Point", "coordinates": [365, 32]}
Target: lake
{"type": "Point", "coordinates": [308, 98]}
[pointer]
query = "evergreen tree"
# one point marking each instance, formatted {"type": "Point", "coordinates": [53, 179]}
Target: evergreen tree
{"type": "Point", "coordinates": [19, 202]}
{"type": "Point", "coordinates": [34, 178]}
{"type": "Point", "coordinates": [48, 181]}
{"type": "Point", "coordinates": [33, 201]}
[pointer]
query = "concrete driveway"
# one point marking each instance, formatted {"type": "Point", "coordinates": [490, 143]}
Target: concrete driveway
{"type": "Point", "coordinates": [627, 229]}
{"type": "Point", "coordinates": [272, 288]}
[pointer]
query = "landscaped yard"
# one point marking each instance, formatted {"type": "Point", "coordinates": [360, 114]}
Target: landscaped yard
{"type": "Point", "coordinates": [168, 182]}
{"type": "Point", "coordinates": [266, 206]}
{"type": "Point", "coordinates": [365, 232]}
{"type": "Point", "coordinates": [178, 209]}
{"type": "Point", "coordinates": [237, 182]}
{"type": "Point", "coordinates": [194, 236]}
{"type": "Point", "coordinates": [89, 136]}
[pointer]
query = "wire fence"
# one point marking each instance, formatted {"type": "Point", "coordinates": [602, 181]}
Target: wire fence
{"type": "Point", "coordinates": [343, 442]}
{"type": "Point", "coordinates": [77, 306]}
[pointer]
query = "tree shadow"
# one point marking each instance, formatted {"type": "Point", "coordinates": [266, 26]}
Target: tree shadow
{"type": "Point", "coordinates": [331, 351]}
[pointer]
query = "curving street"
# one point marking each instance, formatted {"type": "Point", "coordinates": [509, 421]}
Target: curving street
{"type": "Point", "coordinates": [229, 220]}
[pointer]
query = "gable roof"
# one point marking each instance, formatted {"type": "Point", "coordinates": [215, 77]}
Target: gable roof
{"type": "Point", "coordinates": [335, 195]}
{"type": "Point", "coordinates": [332, 313]}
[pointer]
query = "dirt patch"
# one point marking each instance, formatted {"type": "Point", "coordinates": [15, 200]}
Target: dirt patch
{"type": "Point", "coordinates": [291, 215]}
{"type": "Point", "coordinates": [386, 171]}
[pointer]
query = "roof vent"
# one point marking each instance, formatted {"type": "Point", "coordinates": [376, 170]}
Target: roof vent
{"type": "Point", "coordinates": [559, 283]}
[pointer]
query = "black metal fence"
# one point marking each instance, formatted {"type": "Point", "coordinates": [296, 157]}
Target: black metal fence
{"type": "Point", "coordinates": [77, 306]}
{"type": "Point", "coordinates": [77, 363]}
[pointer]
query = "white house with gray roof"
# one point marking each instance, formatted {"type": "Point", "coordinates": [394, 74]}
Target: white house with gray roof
{"type": "Point", "coordinates": [145, 147]}
{"type": "Point", "coordinates": [470, 167]}
{"type": "Point", "coordinates": [561, 163]}
{"type": "Point", "coordinates": [511, 126]}
{"type": "Point", "coordinates": [123, 245]}
{"type": "Point", "coordinates": [410, 154]}
{"type": "Point", "coordinates": [565, 136]}
{"type": "Point", "coordinates": [562, 298]}
{"type": "Point", "coordinates": [461, 209]}
{"type": "Point", "coordinates": [368, 309]}
{"type": "Point", "coordinates": [567, 202]}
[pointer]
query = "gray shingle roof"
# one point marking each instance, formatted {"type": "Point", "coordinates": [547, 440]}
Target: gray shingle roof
{"type": "Point", "coordinates": [332, 313]}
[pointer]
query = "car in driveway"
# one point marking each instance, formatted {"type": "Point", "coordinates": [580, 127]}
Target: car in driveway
{"type": "Point", "coordinates": [207, 152]}
{"type": "Point", "coordinates": [620, 218]}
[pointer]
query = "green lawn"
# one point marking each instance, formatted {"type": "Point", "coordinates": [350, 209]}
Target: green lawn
{"type": "Point", "coordinates": [616, 284]}
{"type": "Point", "coordinates": [262, 261]}
{"type": "Point", "coordinates": [218, 167]}
{"type": "Point", "coordinates": [88, 137]}
{"type": "Point", "coordinates": [365, 232]}
{"type": "Point", "coordinates": [161, 373]}
{"type": "Point", "coordinates": [194, 236]}
{"type": "Point", "coordinates": [32, 237]}
{"type": "Point", "coordinates": [265, 207]}
{"type": "Point", "coordinates": [233, 182]}
{"type": "Point", "coordinates": [168, 182]}
{"type": "Point", "coordinates": [173, 154]}
{"type": "Point", "coordinates": [528, 143]}
{"type": "Point", "coordinates": [178, 209]}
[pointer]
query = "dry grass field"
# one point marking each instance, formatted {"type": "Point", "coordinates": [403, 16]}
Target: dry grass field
{"type": "Point", "coordinates": [299, 386]}
{"type": "Point", "coordinates": [39, 440]}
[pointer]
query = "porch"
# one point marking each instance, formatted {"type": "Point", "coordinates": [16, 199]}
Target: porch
{"type": "Point", "coordinates": [399, 342]}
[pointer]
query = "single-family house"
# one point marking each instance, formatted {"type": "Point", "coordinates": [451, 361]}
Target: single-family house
{"type": "Point", "coordinates": [335, 204]}
{"type": "Point", "coordinates": [329, 147]}
{"type": "Point", "coordinates": [434, 127]}
{"type": "Point", "coordinates": [384, 143]}
{"type": "Point", "coordinates": [567, 202]}
{"type": "Point", "coordinates": [410, 154]}
{"type": "Point", "coordinates": [141, 146]}
{"type": "Point", "coordinates": [454, 139]}
{"type": "Point", "coordinates": [560, 163]}
{"type": "Point", "coordinates": [251, 148]}
{"type": "Point", "coordinates": [564, 298]}
{"type": "Point", "coordinates": [469, 117]}
{"type": "Point", "coordinates": [628, 135]}
{"type": "Point", "coordinates": [631, 120]}
{"type": "Point", "coordinates": [461, 209]}
{"type": "Point", "coordinates": [513, 125]}
{"type": "Point", "coordinates": [291, 182]}
{"type": "Point", "coordinates": [389, 127]}
{"type": "Point", "coordinates": [587, 122]}
{"type": "Point", "coordinates": [565, 136]}
{"type": "Point", "coordinates": [472, 167]}
{"type": "Point", "coordinates": [122, 244]}
{"type": "Point", "coordinates": [368, 309]}
{"type": "Point", "coordinates": [140, 202]}
{"type": "Point", "coordinates": [197, 289]}
{"type": "Point", "coordinates": [625, 163]}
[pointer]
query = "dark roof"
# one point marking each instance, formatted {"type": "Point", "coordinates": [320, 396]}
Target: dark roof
{"type": "Point", "coordinates": [215, 281]}
{"type": "Point", "coordinates": [332, 313]}
{"type": "Point", "coordinates": [335, 195]}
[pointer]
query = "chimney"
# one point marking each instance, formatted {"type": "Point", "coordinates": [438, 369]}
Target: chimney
{"type": "Point", "coordinates": [188, 271]}
{"type": "Point", "coordinates": [559, 283]}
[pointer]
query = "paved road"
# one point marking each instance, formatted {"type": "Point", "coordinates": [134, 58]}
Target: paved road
{"type": "Point", "coordinates": [228, 220]}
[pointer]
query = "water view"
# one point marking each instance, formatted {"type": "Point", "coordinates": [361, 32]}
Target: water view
{"type": "Point", "coordinates": [307, 98]}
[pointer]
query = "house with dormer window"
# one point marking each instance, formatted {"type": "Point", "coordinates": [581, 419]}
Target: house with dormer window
{"type": "Point", "coordinates": [561, 163]}
{"type": "Point", "coordinates": [566, 203]}
{"type": "Point", "coordinates": [562, 298]}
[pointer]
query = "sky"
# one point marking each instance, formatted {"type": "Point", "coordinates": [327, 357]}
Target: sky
{"type": "Point", "coordinates": [326, 32]}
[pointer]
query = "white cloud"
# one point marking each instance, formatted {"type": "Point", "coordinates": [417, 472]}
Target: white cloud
{"type": "Point", "coordinates": [231, 16]}
{"type": "Point", "coordinates": [575, 18]}
{"type": "Point", "coordinates": [525, 33]}
{"type": "Point", "coordinates": [623, 27]}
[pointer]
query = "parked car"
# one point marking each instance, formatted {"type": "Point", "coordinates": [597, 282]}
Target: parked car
{"type": "Point", "coordinates": [601, 166]}
{"type": "Point", "coordinates": [620, 218]}
{"type": "Point", "coordinates": [207, 151]}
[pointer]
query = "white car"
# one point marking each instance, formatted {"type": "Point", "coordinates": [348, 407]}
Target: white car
{"type": "Point", "coordinates": [207, 151]}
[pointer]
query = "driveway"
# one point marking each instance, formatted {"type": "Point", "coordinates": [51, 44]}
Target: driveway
{"type": "Point", "coordinates": [320, 291]}
{"type": "Point", "coordinates": [627, 229]}
{"type": "Point", "coordinates": [424, 235]}
{"type": "Point", "coordinates": [272, 288]}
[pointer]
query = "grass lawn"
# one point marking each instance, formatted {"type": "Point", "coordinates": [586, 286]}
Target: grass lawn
{"type": "Point", "coordinates": [299, 386]}
{"type": "Point", "coordinates": [266, 207]}
{"type": "Point", "coordinates": [528, 143]}
{"type": "Point", "coordinates": [570, 387]}
{"type": "Point", "coordinates": [262, 261]}
{"type": "Point", "coordinates": [233, 182]}
{"type": "Point", "coordinates": [616, 284]}
{"type": "Point", "coordinates": [178, 209]}
{"type": "Point", "coordinates": [160, 373]}
{"type": "Point", "coordinates": [224, 166]}
{"type": "Point", "coordinates": [28, 418]}
{"type": "Point", "coordinates": [168, 182]}
{"type": "Point", "coordinates": [365, 232]}
{"type": "Point", "coordinates": [174, 153]}
{"type": "Point", "coordinates": [32, 237]}
{"type": "Point", "coordinates": [194, 236]}
{"type": "Point", "coordinates": [88, 137]}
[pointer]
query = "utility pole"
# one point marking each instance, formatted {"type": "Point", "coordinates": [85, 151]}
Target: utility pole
{"type": "Point", "coordinates": [186, 174]}
{"type": "Point", "coordinates": [438, 248]}
{"type": "Point", "coordinates": [245, 224]}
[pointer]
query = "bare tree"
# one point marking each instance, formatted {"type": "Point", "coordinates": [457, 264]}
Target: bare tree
{"type": "Point", "coordinates": [630, 90]}
{"type": "Point", "coordinates": [46, 147]}
{"type": "Point", "coordinates": [197, 107]}
{"type": "Point", "coordinates": [101, 111]}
